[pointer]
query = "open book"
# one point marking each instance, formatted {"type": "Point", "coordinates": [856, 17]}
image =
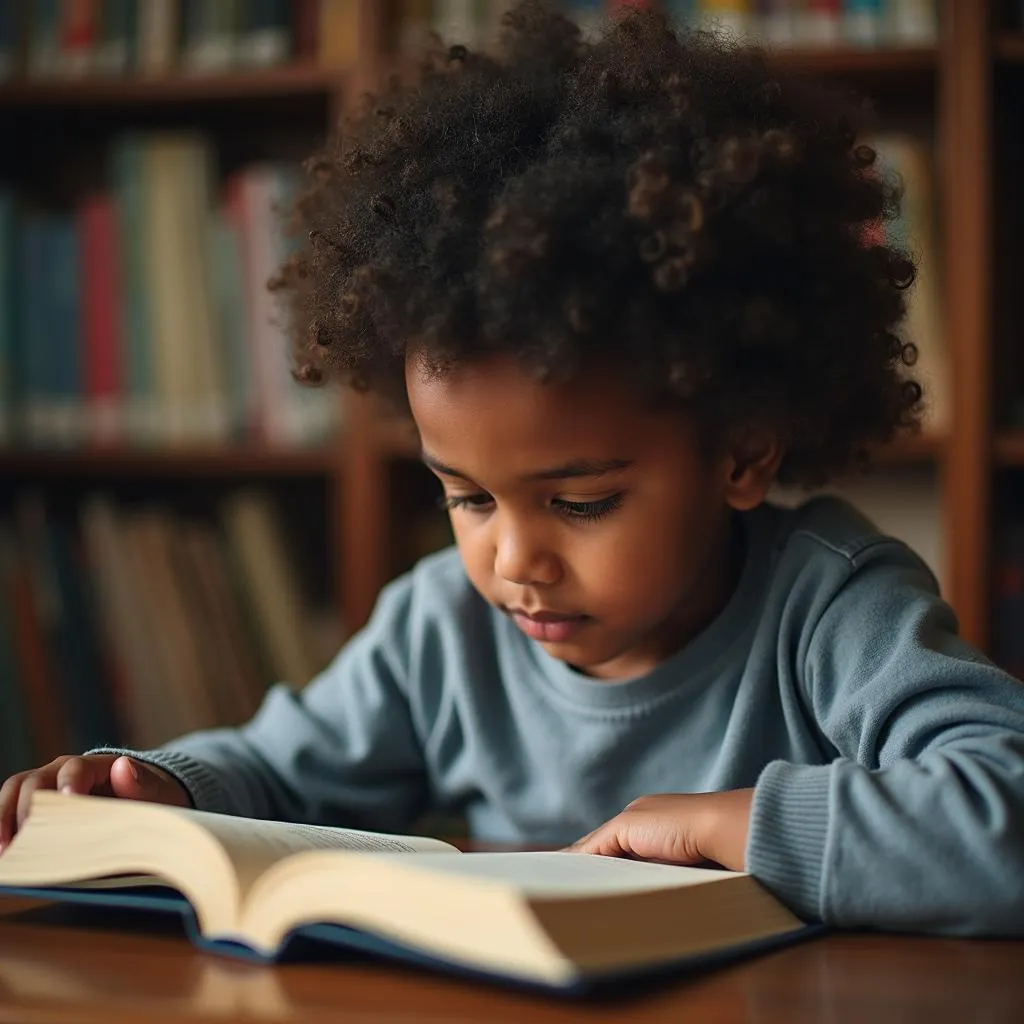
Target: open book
{"type": "Point", "coordinates": [555, 919]}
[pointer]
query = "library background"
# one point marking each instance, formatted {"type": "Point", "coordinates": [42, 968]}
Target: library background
{"type": "Point", "coordinates": [181, 525]}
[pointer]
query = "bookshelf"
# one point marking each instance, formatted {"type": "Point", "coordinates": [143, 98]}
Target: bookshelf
{"type": "Point", "coordinates": [950, 86]}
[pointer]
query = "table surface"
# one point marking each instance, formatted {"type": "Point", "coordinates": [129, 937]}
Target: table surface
{"type": "Point", "coordinates": [71, 965]}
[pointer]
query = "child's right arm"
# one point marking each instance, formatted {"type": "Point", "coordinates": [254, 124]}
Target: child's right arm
{"type": "Point", "coordinates": [343, 750]}
{"type": "Point", "coordinates": [97, 774]}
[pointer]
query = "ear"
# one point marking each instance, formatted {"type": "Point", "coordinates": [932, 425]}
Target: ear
{"type": "Point", "coordinates": [751, 465]}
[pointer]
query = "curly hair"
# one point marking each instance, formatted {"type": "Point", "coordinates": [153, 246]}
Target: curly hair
{"type": "Point", "coordinates": [666, 200]}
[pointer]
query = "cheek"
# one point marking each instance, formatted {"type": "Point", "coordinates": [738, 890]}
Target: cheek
{"type": "Point", "coordinates": [474, 550]}
{"type": "Point", "coordinates": [644, 561]}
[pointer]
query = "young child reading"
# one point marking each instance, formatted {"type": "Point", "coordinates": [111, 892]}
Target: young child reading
{"type": "Point", "coordinates": [623, 286]}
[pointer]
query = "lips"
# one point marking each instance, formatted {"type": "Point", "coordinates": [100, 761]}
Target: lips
{"type": "Point", "coordinates": [550, 627]}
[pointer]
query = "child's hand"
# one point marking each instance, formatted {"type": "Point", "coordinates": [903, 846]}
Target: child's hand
{"type": "Point", "coordinates": [96, 774]}
{"type": "Point", "coordinates": [677, 828]}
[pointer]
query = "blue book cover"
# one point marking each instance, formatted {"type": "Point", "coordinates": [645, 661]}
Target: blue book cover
{"type": "Point", "coordinates": [64, 329]}
{"type": "Point", "coordinates": [33, 356]}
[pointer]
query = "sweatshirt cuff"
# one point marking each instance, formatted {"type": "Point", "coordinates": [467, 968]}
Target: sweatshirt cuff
{"type": "Point", "coordinates": [788, 834]}
{"type": "Point", "coordinates": [202, 784]}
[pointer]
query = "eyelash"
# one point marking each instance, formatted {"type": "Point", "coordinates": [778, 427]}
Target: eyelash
{"type": "Point", "coordinates": [578, 511]}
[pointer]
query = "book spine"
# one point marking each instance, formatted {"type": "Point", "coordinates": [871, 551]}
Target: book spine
{"type": "Point", "coordinates": [207, 41]}
{"type": "Point", "coordinates": [116, 44]}
{"type": "Point", "coordinates": [101, 329]}
{"type": "Point", "coordinates": [158, 27]}
{"type": "Point", "coordinates": [819, 23]}
{"type": "Point", "coordinates": [43, 38]}
{"type": "Point", "coordinates": [267, 36]}
{"type": "Point", "coordinates": [32, 333]}
{"type": "Point", "coordinates": [731, 17]}
{"type": "Point", "coordinates": [10, 40]}
{"type": "Point", "coordinates": [862, 23]}
{"type": "Point", "coordinates": [65, 326]}
{"type": "Point", "coordinates": [139, 413]}
{"type": "Point", "coordinates": [911, 22]}
{"type": "Point", "coordinates": [78, 31]}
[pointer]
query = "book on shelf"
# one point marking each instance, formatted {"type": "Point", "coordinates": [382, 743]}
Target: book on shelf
{"type": "Point", "coordinates": [135, 625]}
{"type": "Point", "coordinates": [143, 317]}
{"type": "Point", "coordinates": [253, 887]}
{"type": "Point", "coordinates": [61, 39]}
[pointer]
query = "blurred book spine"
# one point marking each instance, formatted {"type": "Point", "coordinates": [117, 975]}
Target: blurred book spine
{"type": "Point", "coordinates": [142, 317]}
{"type": "Point", "coordinates": [133, 624]}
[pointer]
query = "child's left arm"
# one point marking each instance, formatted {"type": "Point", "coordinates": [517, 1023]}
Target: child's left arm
{"type": "Point", "coordinates": [918, 823]}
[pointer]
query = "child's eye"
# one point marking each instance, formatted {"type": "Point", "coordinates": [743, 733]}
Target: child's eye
{"type": "Point", "coordinates": [479, 502]}
{"type": "Point", "coordinates": [588, 511]}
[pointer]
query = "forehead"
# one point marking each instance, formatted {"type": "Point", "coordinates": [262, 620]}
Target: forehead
{"type": "Point", "coordinates": [492, 409]}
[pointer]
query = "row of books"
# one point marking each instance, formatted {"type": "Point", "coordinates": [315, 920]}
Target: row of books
{"type": "Point", "coordinates": [43, 39]}
{"type": "Point", "coordinates": [142, 317]}
{"type": "Point", "coordinates": [135, 625]}
{"type": "Point", "coordinates": [862, 23]}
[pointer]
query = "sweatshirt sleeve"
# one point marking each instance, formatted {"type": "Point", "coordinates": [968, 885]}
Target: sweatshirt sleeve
{"type": "Point", "coordinates": [343, 750]}
{"type": "Point", "coordinates": [918, 824]}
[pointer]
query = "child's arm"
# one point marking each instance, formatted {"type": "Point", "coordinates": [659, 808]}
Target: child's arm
{"type": "Point", "coordinates": [919, 822]}
{"type": "Point", "coordinates": [342, 750]}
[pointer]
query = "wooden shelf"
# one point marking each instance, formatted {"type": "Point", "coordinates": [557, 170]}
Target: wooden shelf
{"type": "Point", "coordinates": [913, 448]}
{"type": "Point", "coordinates": [1009, 46]}
{"type": "Point", "coordinates": [216, 461]}
{"type": "Point", "coordinates": [859, 62]}
{"type": "Point", "coordinates": [131, 91]}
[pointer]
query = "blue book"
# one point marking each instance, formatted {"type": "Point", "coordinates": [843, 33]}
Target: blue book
{"type": "Point", "coordinates": [33, 335]}
{"type": "Point", "coordinates": [65, 348]}
{"type": "Point", "coordinates": [274, 890]}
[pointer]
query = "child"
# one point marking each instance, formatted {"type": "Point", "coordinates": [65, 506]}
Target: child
{"type": "Point", "coordinates": [623, 287]}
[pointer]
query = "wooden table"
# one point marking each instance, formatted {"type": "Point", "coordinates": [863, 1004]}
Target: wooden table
{"type": "Point", "coordinates": [55, 966]}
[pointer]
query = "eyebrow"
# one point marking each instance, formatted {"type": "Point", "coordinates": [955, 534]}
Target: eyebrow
{"type": "Point", "coordinates": [573, 470]}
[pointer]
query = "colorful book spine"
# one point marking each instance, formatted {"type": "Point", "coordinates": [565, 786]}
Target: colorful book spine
{"type": "Point", "coordinates": [729, 17]}
{"type": "Point", "coordinates": [863, 22]}
{"type": "Point", "coordinates": [818, 23]}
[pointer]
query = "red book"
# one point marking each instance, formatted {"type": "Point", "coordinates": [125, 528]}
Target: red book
{"type": "Point", "coordinates": [78, 30]}
{"type": "Point", "coordinates": [101, 327]}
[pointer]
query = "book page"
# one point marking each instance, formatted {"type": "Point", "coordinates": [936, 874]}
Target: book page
{"type": "Point", "coordinates": [570, 874]}
{"type": "Point", "coordinates": [254, 845]}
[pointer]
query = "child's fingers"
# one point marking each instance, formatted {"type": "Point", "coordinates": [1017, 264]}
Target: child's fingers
{"type": "Point", "coordinates": [9, 806]}
{"type": "Point", "coordinates": [136, 780]}
{"type": "Point", "coordinates": [83, 774]}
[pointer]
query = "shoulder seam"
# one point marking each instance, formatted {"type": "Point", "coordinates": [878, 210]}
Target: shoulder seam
{"type": "Point", "coordinates": [851, 553]}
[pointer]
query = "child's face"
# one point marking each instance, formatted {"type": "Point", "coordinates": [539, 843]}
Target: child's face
{"type": "Point", "coordinates": [595, 523]}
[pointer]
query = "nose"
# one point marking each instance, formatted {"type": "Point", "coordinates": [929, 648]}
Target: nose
{"type": "Point", "coordinates": [521, 555]}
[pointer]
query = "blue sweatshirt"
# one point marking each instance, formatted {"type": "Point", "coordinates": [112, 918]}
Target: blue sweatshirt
{"type": "Point", "coordinates": [887, 754]}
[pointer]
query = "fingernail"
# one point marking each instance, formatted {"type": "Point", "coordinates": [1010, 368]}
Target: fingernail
{"type": "Point", "coordinates": [134, 769]}
{"type": "Point", "coordinates": [66, 789]}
